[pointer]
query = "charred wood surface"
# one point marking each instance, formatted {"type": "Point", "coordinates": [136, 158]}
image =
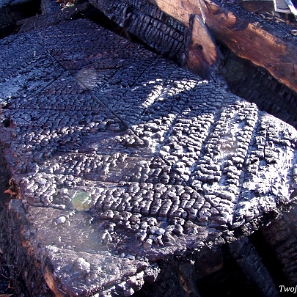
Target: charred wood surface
{"type": "Point", "coordinates": [120, 160]}
{"type": "Point", "coordinates": [258, 86]}
{"type": "Point", "coordinates": [251, 264]}
{"type": "Point", "coordinates": [282, 236]}
{"type": "Point", "coordinates": [146, 21]}
{"type": "Point", "coordinates": [265, 44]}
{"type": "Point", "coordinates": [190, 43]}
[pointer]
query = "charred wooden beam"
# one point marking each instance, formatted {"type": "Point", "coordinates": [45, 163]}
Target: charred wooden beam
{"type": "Point", "coordinates": [252, 265]}
{"type": "Point", "coordinates": [264, 44]}
{"type": "Point", "coordinates": [120, 160]}
{"type": "Point", "coordinates": [190, 42]}
{"type": "Point", "coordinates": [148, 23]}
{"type": "Point", "coordinates": [282, 237]}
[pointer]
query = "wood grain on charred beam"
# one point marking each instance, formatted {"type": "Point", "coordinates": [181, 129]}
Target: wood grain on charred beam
{"type": "Point", "coordinates": [148, 23]}
{"type": "Point", "coordinates": [190, 43]}
{"type": "Point", "coordinates": [247, 39]}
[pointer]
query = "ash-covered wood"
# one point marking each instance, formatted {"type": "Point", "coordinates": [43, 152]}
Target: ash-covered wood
{"type": "Point", "coordinates": [121, 159]}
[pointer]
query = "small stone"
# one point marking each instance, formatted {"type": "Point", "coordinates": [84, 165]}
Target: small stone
{"type": "Point", "coordinates": [61, 220]}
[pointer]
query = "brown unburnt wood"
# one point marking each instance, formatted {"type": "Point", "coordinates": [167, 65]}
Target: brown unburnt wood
{"type": "Point", "coordinates": [202, 53]}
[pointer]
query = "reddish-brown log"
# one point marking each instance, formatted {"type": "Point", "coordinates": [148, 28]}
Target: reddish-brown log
{"type": "Point", "coordinates": [264, 45]}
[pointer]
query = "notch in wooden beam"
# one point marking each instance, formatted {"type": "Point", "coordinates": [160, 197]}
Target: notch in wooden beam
{"type": "Point", "coordinates": [202, 52]}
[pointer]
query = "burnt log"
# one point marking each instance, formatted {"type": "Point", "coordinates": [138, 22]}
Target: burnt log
{"type": "Point", "coordinates": [265, 44]}
{"type": "Point", "coordinates": [123, 165]}
{"type": "Point", "coordinates": [268, 45]}
{"type": "Point", "coordinates": [191, 43]}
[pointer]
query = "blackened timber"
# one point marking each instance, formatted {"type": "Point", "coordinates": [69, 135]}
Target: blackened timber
{"type": "Point", "coordinates": [265, 44]}
{"type": "Point", "coordinates": [190, 43]}
{"type": "Point", "coordinates": [118, 159]}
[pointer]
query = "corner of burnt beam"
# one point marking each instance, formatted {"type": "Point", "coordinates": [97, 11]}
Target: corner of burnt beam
{"type": "Point", "coordinates": [202, 55]}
